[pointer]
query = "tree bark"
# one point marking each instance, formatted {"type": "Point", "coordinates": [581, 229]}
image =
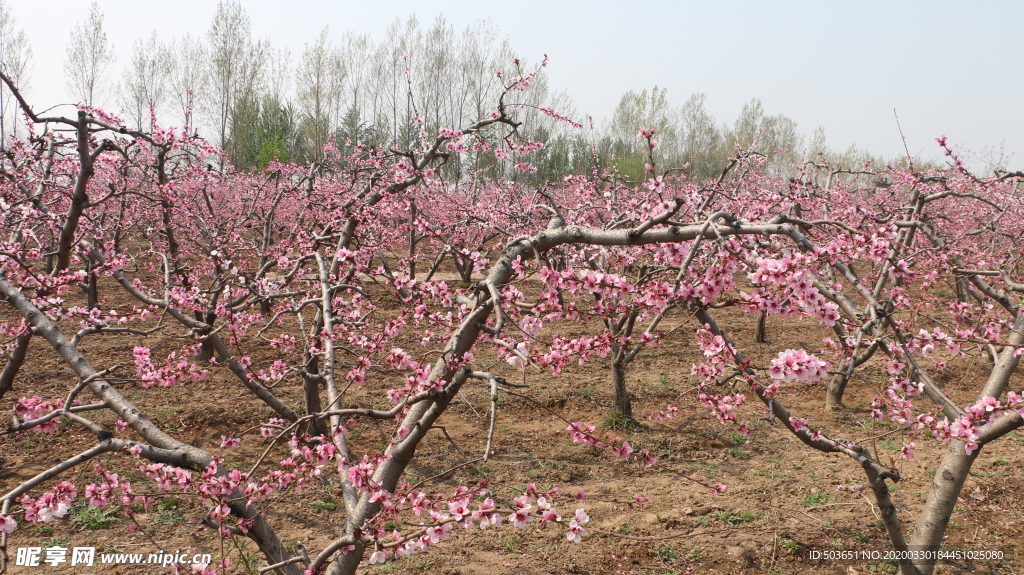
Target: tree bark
{"type": "Point", "coordinates": [836, 389]}
{"type": "Point", "coordinates": [623, 403]}
{"type": "Point", "coordinates": [759, 333]}
{"type": "Point", "coordinates": [837, 385]}
{"type": "Point", "coordinates": [938, 507]}
{"type": "Point", "coordinates": [880, 489]}
{"type": "Point", "coordinates": [14, 362]}
{"type": "Point", "coordinates": [311, 395]}
{"type": "Point", "coordinates": [92, 296]}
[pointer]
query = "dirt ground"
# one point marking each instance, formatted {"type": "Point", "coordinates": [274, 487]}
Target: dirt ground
{"type": "Point", "coordinates": [783, 501]}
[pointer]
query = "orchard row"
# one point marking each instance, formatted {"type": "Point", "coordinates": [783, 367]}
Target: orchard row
{"type": "Point", "coordinates": [285, 281]}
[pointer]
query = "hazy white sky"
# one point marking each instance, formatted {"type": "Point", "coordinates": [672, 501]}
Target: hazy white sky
{"type": "Point", "coordinates": [947, 67]}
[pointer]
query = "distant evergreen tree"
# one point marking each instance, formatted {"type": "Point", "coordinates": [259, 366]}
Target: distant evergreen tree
{"type": "Point", "coordinates": [261, 130]}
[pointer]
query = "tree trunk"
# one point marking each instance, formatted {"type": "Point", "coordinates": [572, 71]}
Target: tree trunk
{"type": "Point", "coordinates": [623, 404]}
{"type": "Point", "coordinates": [962, 291]}
{"type": "Point", "coordinates": [261, 533]}
{"type": "Point", "coordinates": [465, 269]}
{"type": "Point", "coordinates": [311, 394]}
{"type": "Point", "coordinates": [759, 334]}
{"type": "Point", "coordinates": [938, 507]}
{"type": "Point", "coordinates": [91, 296]}
{"type": "Point", "coordinates": [206, 350]}
{"type": "Point", "coordinates": [348, 563]}
{"type": "Point", "coordinates": [834, 393]}
{"type": "Point", "coordinates": [837, 385]}
{"type": "Point", "coordinates": [880, 489]}
{"type": "Point", "coordinates": [14, 362]}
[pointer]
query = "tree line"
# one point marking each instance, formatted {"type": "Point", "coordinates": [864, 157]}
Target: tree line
{"type": "Point", "coordinates": [253, 101]}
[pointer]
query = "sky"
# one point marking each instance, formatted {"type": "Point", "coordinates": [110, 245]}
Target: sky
{"type": "Point", "coordinates": [945, 67]}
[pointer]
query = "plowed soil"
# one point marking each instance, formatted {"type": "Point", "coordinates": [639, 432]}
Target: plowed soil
{"type": "Point", "coordinates": [783, 501]}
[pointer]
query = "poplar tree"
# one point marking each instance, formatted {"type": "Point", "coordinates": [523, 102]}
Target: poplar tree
{"type": "Point", "coordinates": [15, 53]}
{"type": "Point", "coordinates": [90, 57]}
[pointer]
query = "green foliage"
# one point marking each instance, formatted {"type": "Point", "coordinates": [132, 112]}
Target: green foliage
{"type": "Point", "coordinates": [391, 567]}
{"type": "Point", "coordinates": [169, 517]}
{"type": "Point", "coordinates": [736, 517]}
{"type": "Point", "coordinates": [510, 544]}
{"type": "Point", "coordinates": [328, 503]}
{"type": "Point", "coordinates": [352, 128]}
{"type": "Point", "coordinates": [56, 542]}
{"type": "Point", "coordinates": [667, 554]}
{"type": "Point", "coordinates": [93, 518]}
{"type": "Point", "coordinates": [739, 453]}
{"type": "Point", "coordinates": [554, 160]}
{"type": "Point", "coordinates": [791, 547]}
{"type": "Point", "coordinates": [615, 421]}
{"type": "Point", "coordinates": [249, 559]}
{"type": "Point", "coordinates": [637, 111]}
{"type": "Point", "coordinates": [817, 499]}
{"type": "Point", "coordinates": [262, 130]}
{"type": "Point", "coordinates": [771, 474]}
{"type": "Point", "coordinates": [42, 531]}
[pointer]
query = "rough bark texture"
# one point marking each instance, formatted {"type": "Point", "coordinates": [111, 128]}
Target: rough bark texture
{"type": "Point", "coordinates": [759, 332]}
{"type": "Point", "coordinates": [835, 390]}
{"type": "Point", "coordinates": [623, 404]}
{"type": "Point", "coordinates": [880, 490]}
{"type": "Point", "coordinates": [931, 524]}
{"type": "Point", "coordinates": [14, 362]}
{"type": "Point", "coordinates": [311, 397]}
{"type": "Point", "coordinates": [837, 385]}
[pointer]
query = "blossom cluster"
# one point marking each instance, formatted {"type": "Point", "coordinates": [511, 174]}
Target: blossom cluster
{"type": "Point", "coordinates": [51, 505]}
{"type": "Point", "coordinates": [174, 370]}
{"type": "Point", "coordinates": [797, 365]}
{"type": "Point", "coordinates": [35, 407]}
